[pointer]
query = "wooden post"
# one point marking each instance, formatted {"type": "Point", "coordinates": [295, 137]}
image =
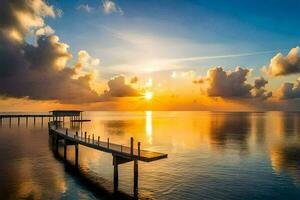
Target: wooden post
{"type": "Point", "coordinates": [76, 154]}
{"type": "Point", "coordinates": [56, 143]}
{"type": "Point", "coordinates": [131, 146]}
{"type": "Point", "coordinates": [116, 173]}
{"type": "Point", "coordinates": [42, 121]}
{"type": "Point", "coordinates": [0, 121]}
{"type": "Point", "coordinates": [53, 139]}
{"type": "Point", "coordinates": [98, 140]}
{"type": "Point", "coordinates": [77, 134]}
{"type": "Point", "coordinates": [65, 149]}
{"type": "Point", "coordinates": [135, 174]}
{"type": "Point", "coordinates": [89, 139]}
{"type": "Point", "coordinates": [27, 121]}
{"type": "Point", "coordinates": [85, 136]}
{"type": "Point", "coordinates": [108, 143]}
{"type": "Point", "coordinates": [93, 138]}
{"type": "Point", "coordinates": [18, 121]}
{"type": "Point", "coordinates": [66, 131]}
{"type": "Point", "coordinates": [34, 120]}
{"type": "Point", "coordinates": [139, 149]}
{"type": "Point", "coordinates": [9, 122]}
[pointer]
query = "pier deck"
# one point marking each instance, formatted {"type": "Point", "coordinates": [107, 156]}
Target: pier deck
{"type": "Point", "coordinates": [105, 146]}
{"type": "Point", "coordinates": [121, 154]}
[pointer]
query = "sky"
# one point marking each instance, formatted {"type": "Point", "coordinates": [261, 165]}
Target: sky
{"type": "Point", "coordinates": [149, 55]}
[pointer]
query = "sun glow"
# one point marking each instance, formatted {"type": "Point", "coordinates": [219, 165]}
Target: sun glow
{"type": "Point", "coordinates": [148, 95]}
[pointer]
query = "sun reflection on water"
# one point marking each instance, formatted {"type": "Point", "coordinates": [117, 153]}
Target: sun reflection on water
{"type": "Point", "coordinates": [149, 126]}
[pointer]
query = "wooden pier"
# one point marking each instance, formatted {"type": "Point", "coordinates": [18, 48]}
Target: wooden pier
{"type": "Point", "coordinates": [121, 154]}
{"type": "Point", "coordinates": [26, 117]}
{"type": "Point", "coordinates": [55, 115]}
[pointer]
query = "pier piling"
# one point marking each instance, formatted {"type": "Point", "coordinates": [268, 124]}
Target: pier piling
{"type": "Point", "coordinates": [131, 145]}
{"type": "Point", "coordinates": [65, 149]}
{"type": "Point", "coordinates": [116, 173]}
{"type": "Point", "coordinates": [76, 154]}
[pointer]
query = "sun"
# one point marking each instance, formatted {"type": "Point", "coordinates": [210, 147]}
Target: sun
{"type": "Point", "coordinates": [148, 95]}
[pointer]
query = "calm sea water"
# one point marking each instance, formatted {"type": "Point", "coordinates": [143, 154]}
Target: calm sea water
{"type": "Point", "coordinates": [212, 155]}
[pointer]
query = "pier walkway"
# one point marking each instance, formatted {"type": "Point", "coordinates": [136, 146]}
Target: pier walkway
{"type": "Point", "coordinates": [121, 154]}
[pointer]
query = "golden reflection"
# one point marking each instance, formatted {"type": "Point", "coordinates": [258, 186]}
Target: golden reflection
{"type": "Point", "coordinates": [149, 126]}
{"type": "Point", "coordinates": [285, 158]}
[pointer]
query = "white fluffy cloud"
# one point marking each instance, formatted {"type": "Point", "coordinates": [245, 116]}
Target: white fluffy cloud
{"type": "Point", "coordinates": [85, 7]}
{"type": "Point", "coordinates": [110, 6]}
{"type": "Point", "coordinates": [284, 65]}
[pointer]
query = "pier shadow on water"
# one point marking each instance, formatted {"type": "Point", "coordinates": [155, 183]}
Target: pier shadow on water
{"type": "Point", "coordinates": [89, 180]}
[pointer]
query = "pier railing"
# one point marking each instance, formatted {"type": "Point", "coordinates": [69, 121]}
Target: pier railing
{"type": "Point", "coordinates": [121, 154]}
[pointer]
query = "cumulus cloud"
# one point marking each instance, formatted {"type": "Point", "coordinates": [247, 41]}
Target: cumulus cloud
{"type": "Point", "coordinates": [84, 60]}
{"type": "Point", "coordinates": [284, 65]}
{"type": "Point", "coordinates": [117, 87]}
{"type": "Point", "coordinates": [260, 82]}
{"type": "Point", "coordinates": [47, 30]}
{"type": "Point", "coordinates": [85, 7]}
{"type": "Point", "coordinates": [231, 84]}
{"type": "Point", "coordinates": [41, 71]}
{"type": "Point", "coordinates": [110, 6]}
{"type": "Point", "coordinates": [228, 84]}
{"type": "Point", "coordinates": [290, 90]}
{"type": "Point", "coordinates": [259, 90]}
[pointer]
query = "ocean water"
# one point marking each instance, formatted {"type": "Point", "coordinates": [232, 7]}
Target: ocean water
{"type": "Point", "coordinates": [211, 155]}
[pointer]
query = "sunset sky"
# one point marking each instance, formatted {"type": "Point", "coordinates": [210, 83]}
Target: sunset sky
{"type": "Point", "coordinates": [149, 55]}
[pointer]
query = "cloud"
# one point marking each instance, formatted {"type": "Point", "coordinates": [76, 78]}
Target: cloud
{"type": "Point", "coordinates": [85, 61]}
{"type": "Point", "coordinates": [281, 66]}
{"type": "Point", "coordinates": [110, 6]}
{"type": "Point", "coordinates": [59, 12]}
{"type": "Point", "coordinates": [290, 90]}
{"type": "Point", "coordinates": [47, 30]}
{"type": "Point", "coordinates": [259, 91]}
{"type": "Point", "coordinates": [134, 80]}
{"type": "Point", "coordinates": [41, 71]}
{"type": "Point", "coordinates": [117, 87]}
{"type": "Point", "coordinates": [228, 84]}
{"type": "Point", "coordinates": [260, 82]}
{"type": "Point", "coordinates": [17, 17]}
{"type": "Point", "coordinates": [232, 84]}
{"type": "Point", "coordinates": [85, 7]}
